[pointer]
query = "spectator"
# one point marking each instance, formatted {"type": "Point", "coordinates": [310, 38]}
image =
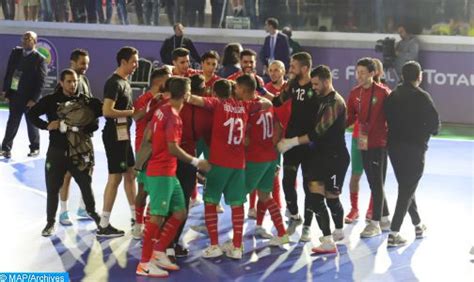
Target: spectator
{"type": "Point", "coordinates": [78, 10]}
{"type": "Point", "coordinates": [121, 11]}
{"type": "Point", "coordinates": [406, 49]}
{"type": "Point", "coordinates": [30, 9]}
{"type": "Point", "coordinates": [230, 60]}
{"type": "Point", "coordinates": [139, 11]}
{"type": "Point", "coordinates": [217, 10]}
{"type": "Point", "coordinates": [250, 11]}
{"type": "Point", "coordinates": [194, 7]}
{"type": "Point", "coordinates": [295, 47]}
{"type": "Point", "coordinates": [152, 12]}
{"type": "Point", "coordinates": [60, 8]}
{"type": "Point", "coordinates": [176, 41]}
{"type": "Point", "coordinates": [275, 46]}
{"type": "Point", "coordinates": [238, 8]}
{"type": "Point", "coordinates": [46, 10]}
{"type": "Point", "coordinates": [8, 7]}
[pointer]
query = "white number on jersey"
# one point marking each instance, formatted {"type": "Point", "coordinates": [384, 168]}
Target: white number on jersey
{"type": "Point", "coordinates": [238, 125]}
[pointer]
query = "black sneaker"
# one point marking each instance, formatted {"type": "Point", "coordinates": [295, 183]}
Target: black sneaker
{"type": "Point", "coordinates": [48, 229]}
{"type": "Point", "coordinates": [6, 154]}
{"type": "Point", "coordinates": [33, 153]}
{"type": "Point", "coordinates": [171, 255]}
{"type": "Point", "coordinates": [395, 240]}
{"type": "Point", "coordinates": [420, 231]}
{"type": "Point", "coordinates": [180, 251]}
{"type": "Point", "coordinates": [109, 232]}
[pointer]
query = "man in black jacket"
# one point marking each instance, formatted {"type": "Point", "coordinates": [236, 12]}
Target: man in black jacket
{"type": "Point", "coordinates": [176, 41]}
{"type": "Point", "coordinates": [412, 118]}
{"type": "Point", "coordinates": [24, 80]}
{"type": "Point", "coordinates": [59, 158]}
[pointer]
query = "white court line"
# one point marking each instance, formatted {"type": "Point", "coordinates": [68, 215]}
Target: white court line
{"type": "Point", "coordinates": [29, 189]}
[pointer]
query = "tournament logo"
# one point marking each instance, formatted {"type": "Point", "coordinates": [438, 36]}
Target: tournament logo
{"type": "Point", "coordinates": [47, 49]}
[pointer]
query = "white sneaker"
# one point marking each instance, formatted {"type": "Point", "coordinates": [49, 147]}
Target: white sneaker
{"type": "Point", "coordinates": [327, 246]}
{"type": "Point", "coordinates": [385, 225]}
{"type": "Point", "coordinates": [150, 270]}
{"type": "Point", "coordinates": [371, 230]}
{"type": "Point", "coordinates": [234, 253]}
{"type": "Point", "coordinates": [229, 244]}
{"type": "Point", "coordinates": [200, 229]}
{"type": "Point", "coordinates": [64, 219]}
{"type": "Point", "coordinates": [278, 241]}
{"type": "Point", "coordinates": [262, 233]}
{"type": "Point", "coordinates": [137, 231]}
{"type": "Point", "coordinates": [161, 259]}
{"type": "Point", "coordinates": [213, 251]}
{"type": "Point", "coordinates": [306, 234]}
{"type": "Point", "coordinates": [82, 214]}
{"type": "Point", "coordinates": [219, 208]}
{"type": "Point", "coordinates": [338, 235]}
{"type": "Point", "coordinates": [252, 214]}
{"type": "Point", "coordinates": [295, 221]}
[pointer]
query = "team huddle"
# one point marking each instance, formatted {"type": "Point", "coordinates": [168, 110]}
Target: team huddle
{"type": "Point", "coordinates": [230, 133]}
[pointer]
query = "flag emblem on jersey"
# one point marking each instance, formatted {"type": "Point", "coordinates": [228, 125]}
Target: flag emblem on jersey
{"type": "Point", "coordinates": [48, 166]}
{"type": "Point", "coordinates": [123, 165]}
{"type": "Point", "coordinates": [310, 93]}
{"type": "Point", "coordinates": [374, 100]}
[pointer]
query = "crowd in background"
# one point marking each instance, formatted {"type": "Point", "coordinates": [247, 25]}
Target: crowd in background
{"type": "Point", "coordinates": [444, 17]}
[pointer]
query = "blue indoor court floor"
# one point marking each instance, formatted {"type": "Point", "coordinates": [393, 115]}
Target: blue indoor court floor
{"type": "Point", "coordinates": [445, 198]}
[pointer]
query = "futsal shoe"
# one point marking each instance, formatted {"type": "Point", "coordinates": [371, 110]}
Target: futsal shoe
{"type": "Point", "coordinates": [109, 232]}
{"type": "Point", "coordinates": [6, 154]}
{"type": "Point", "coordinates": [33, 153]}
{"type": "Point", "coordinates": [295, 221]}
{"type": "Point", "coordinates": [252, 214]}
{"type": "Point", "coordinates": [395, 241]}
{"type": "Point", "coordinates": [368, 215]}
{"type": "Point", "coordinates": [82, 214]}
{"type": "Point", "coordinates": [234, 252]}
{"type": "Point", "coordinates": [137, 231]}
{"type": "Point", "coordinates": [420, 231]}
{"type": "Point", "coordinates": [161, 260]}
{"type": "Point", "coordinates": [385, 225]}
{"type": "Point", "coordinates": [180, 251]}
{"type": "Point", "coordinates": [48, 229]}
{"type": "Point", "coordinates": [279, 241]}
{"type": "Point", "coordinates": [371, 230]}
{"type": "Point", "coordinates": [213, 251]}
{"type": "Point", "coordinates": [327, 246]}
{"type": "Point", "coordinates": [150, 270]}
{"type": "Point", "coordinates": [352, 216]}
{"type": "Point", "coordinates": [306, 234]}
{"type": "Point", "coordinates": [338, 235]}
{"type": "Point", "coordinates": [64, 219]}
{"type": "Point", "coordinates": [260, 232]}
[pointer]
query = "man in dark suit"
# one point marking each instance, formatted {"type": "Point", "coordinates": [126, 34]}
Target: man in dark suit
{"type": "Point", "coordinates": [276, 45]}
{"type": "Point", "coordinates": [176, 41]}
{"type": "Point", "coordinates": [24, 80]}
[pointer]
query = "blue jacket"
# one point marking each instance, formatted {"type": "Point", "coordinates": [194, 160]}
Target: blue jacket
{"type": "Point", "coordinates": [282, 50]}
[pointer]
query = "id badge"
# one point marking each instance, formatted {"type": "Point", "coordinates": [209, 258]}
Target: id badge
{"type": "Point", "coordinates": [122, 129]}
{"type": "Point", "coordinates": [363, 142]}
{"type": "Point", "coordinates": [15, 80]}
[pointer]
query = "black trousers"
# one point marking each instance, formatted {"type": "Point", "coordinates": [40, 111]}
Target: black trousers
{"type": "Point", "coordinates": [56, 166]}
{"type": "Point", "coordinates": [8, 7]}
{"type": "Point", "coordinates": [375, 167]}
{"type": "Point", "coordinates": [17, 109]}
{"type": "Point", "coordinates": [291, 162]}
{"type": "Point", "coordinates": [186, 174]}
{"type": "Point", "coordinates": [408, 163]}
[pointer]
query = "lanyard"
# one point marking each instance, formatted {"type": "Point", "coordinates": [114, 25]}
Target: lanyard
{"type": "Point", "coordinates": [370, 102]}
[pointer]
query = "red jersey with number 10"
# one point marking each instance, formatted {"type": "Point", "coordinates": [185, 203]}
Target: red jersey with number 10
{"type": "Point", "coordinates": [228, 130]}
{"type": "Point", "coordinates": [260, 134]}
{"type": "Point", "coordinates": [166, 127]}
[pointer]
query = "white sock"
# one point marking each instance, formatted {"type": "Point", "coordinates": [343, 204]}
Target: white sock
{"type": "Point", "coordinates": [82, 205]}
{"type": "Point", "coordinates": [385, 218]}
{"type": "Point", "coordinates": [63, 206]}
{"type": "Point", "coordinates": [104, 219]}
{"type": "Point", "coordinates": [375, 222]}
{"type": "Point", "coordinates": [132, 210]}
{"type": "Point", "coordinates": [394, 233]}
{"type": "Point", "coordinates": [338, 230]}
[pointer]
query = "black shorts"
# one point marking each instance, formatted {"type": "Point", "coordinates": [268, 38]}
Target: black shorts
{"type": "Point", "coordinates": [329, 167]}
{"type": "Point", "coordinates": [119, 153]}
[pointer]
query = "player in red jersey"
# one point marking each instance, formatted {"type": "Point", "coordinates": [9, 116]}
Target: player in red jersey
{"type": "Point", "coordinates": [248, 63]}
{"type": "Point", "coordinates": [261, 162]}
{"type": "Point", "coordinates": [166, 195]}
{"type": "Point", "coordinates": [227, 157]}
{"type": "Point", "coordinates": [181, 63]}
{"type": "Point", "coordinates": [145, 106]}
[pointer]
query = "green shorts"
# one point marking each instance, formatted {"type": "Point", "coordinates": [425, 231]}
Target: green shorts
{"type": "Point", "coordinates": [260, 176]}
{"type": "Point", "coordinates": [356, 158]}
{"type": "Point", "coordinates": [202, 148]}
{"type": "Point", "coordinates": [141, 177]}
{"type": "Point", "coordinates": [166, 195]}
{"type": "Point", "coordinates": [228, 181]}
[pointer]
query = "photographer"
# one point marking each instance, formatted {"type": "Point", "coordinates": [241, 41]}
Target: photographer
{"type": "Point", "coordinates": [406, 49]}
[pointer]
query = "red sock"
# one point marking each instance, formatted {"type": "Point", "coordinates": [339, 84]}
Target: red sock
{"type": "Point", "coordinates": [194, 194]}
{"type": "Point", "coordinates": [252, 199]}
{"type": "Point", "coordinates": [261, 209]}
{"type": "Point", "coordinates": [210, 217]}
{"type": "Point", "coordinates": [150, 231]}
{"type": "Point", "coordinates": [276, 216]}
{"type": "Point", "coordinates": [355, 201]}
{"type": "Point", "coordinates": [371, 205]}
{"type": "Point", "coordinates": [238, 225]}
{"type": "Point", "coordinates": [276, 190]}
{"type": "Point", "coordinates": [139, 214]}
{"type": "Point", "coordinates": [167, 234]}
{"type": "Point", "coordinates": [147, 215]}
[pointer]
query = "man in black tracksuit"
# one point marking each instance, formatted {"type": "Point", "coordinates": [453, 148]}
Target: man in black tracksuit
{"type": "Point", "coordinates": [412, 118]}
{"type": "Point", "coordinates": [58, 161]}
